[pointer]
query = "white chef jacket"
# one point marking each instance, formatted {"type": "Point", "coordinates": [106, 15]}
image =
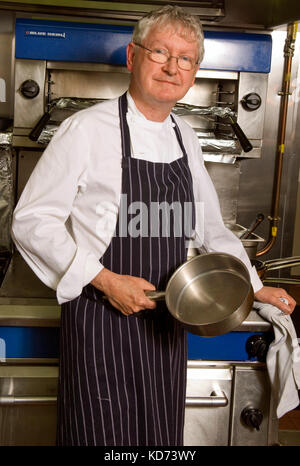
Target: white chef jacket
{"type": "Point", "coordinates": [66, 216]}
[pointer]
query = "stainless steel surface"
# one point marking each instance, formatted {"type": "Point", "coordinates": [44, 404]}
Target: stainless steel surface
{"type": "Point", "coordinates": [80, 80]}
{"type": "Point", "coordinates": [282, 280]}
{"type": "Point", "coordinates": [27, 160]}
{"type": "Point", "coordinates": [205, 424]}
{"type": "Point", "coordinates": [6, 64]}
{"type": "Point", "coordinates": [210, 294]}
{"type": "Point", "coordinates": [209, 10]}
{"type": "Point", "coordinates": [284, 94]}
{"type": "Point", "coordinates": [21, 282]}
{"type": "Point", "coordinates": [277, 264]}
{"type": "Point", "coordinates": [252, 122]}
{"type": "Point", "coordinates": [227, 13]}
{"type": "Point", "coordinates": [28, 111]}
{"type": "Point", "coordinates": [216, 399]}
{"type": "Point", "coordinates": [250, 244]}
{"type": "Point", "coordinates": [245, 385]}
{"type": "Point", "coordinates": [283, 262]}
{"type": "Point", "coordinates": [27, 404]}
{"type": "Point", "coordinates": [30, 314]}
{"type": "Point", "coordinates": [255, 13]}
{"type": "Point", "coordinates": [9, 400]}
{"type": "Point", "coordinates": [255, 188]}
{"type": "Point", "coordinates": [254, 323]}
{"type": "Point", "coordinates": [252, 389]}
{"type": "Point", "coordinates": [97, 84]}
{"type": "Point", "coordinates": [214, 88]}
{"type": "Point", "coordinates": [226, 179]}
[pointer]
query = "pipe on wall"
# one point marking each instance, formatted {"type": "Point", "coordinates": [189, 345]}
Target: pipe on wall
{"type": "Point", "coordinates": [274, 218]}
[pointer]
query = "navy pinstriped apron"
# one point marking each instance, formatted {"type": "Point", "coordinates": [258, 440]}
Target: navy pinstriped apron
{"type": "Point", "coordinates": [123, 378]}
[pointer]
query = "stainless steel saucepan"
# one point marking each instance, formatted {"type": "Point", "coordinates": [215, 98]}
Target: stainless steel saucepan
{"type": "Point", "coordinates": [209, 295]}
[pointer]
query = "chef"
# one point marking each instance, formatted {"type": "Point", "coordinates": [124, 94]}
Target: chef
{"type": "Point", "coordinates": [84, 224]}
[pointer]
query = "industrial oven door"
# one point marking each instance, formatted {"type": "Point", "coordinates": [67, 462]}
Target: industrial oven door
{"type": "Point", "coordinates": [253, 420]}
{"type": "Point", "coordinates": [207, 409]}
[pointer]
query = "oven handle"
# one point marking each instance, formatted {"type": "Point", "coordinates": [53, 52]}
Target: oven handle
{"type": "Point", "coordinates": [243, 140]}
{"type": "Point", "coordinates": [27, 400]}
{"type": "Point", "coordinates": [217, 399]}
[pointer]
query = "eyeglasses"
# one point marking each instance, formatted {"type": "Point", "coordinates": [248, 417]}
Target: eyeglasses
{"type": "Point", "coordinates": [163, 56]}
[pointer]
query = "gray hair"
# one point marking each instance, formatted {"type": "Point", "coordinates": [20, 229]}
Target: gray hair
{"type": "Point", "coordinates": [189, 25]}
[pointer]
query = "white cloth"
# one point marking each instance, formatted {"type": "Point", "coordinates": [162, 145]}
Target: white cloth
{"type": "Point", "coordinates": [66, 216]}
{"type": "Point", "coordinates": [283, 358]}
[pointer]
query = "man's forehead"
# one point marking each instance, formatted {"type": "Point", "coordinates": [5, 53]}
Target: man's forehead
{"type": "Point", "coordinates": [172, 30]}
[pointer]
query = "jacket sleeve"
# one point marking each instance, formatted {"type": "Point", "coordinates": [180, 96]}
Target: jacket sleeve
{"type": "Point", "coordinates": [40, 222]}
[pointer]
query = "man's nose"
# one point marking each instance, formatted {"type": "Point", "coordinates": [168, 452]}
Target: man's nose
{"type": "Point", "coordinates": [171, 66]}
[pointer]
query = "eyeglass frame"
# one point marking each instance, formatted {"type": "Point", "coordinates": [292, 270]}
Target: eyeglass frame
{"type": "Point", "coordinates": [168, 57]}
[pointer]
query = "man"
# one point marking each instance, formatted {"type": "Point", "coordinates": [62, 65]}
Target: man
{"type": "Point", "coordinates": [122, 371]}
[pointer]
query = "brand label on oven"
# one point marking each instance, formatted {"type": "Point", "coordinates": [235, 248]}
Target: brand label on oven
{"type": "Point", "coordinates": [47, 34]}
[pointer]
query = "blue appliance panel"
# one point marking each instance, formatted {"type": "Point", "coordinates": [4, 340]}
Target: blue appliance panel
{"type": "Point", "coordinates": [100, 43]}
{"type": "Point", "coordinates": [228, 347]}
{"type": "Point", "coordinates": [29, 342]}
{"type": "Point", "coordinates": [232, 51]}
{"type": "Point", "coordinates": [66, 41]}
{"type": "Point", "coordinates": [43, 342]}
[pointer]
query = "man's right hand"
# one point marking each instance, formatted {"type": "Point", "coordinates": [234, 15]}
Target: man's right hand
{"type": "Point", "coordinates": [124, 292]}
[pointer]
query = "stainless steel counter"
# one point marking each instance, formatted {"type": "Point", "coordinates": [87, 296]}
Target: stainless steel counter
{"type": "Point", "coordinates": [25, 300]}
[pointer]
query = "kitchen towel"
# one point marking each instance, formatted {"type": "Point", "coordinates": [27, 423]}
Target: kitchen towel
{"type": "Point", "coordinates": [283, 358]}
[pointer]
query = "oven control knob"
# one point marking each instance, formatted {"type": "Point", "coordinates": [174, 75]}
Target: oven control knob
{"type": "Point", "coordinates": [29, 89]}
{"type": "Point", "coordinates": [257, 347]}
{"type": "Point", "coordinates": [251, 101]}
{"type": "Point", "coordinates": [252, 417]}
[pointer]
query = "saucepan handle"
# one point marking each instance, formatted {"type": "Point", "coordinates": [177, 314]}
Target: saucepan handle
{"type": "Point", "coordinates": [284, 262]}
{"type": "Point", "coordinates": [156, 295]}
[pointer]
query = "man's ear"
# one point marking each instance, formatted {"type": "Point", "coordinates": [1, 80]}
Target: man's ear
{"type": "Point", "coordinates": [197, 69]}
{"type": "Point", "coordinates": [130, 55]}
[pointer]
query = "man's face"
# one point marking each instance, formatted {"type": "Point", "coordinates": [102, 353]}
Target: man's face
{"type": "Point", "coordinates": [161, 84]}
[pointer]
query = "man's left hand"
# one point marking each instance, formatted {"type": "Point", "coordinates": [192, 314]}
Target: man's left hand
{"type": "Point", "coordinates": [274, 296]}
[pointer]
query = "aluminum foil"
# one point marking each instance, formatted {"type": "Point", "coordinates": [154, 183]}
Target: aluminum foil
{"type": "Point", "coordinates": [223, 146]}
{"type": "Point", "coordinates": [47, 133]}
{"type": "Point", "coordinates": [220, 158]}
{"type": "Point", "coordinates": [6, 138]}
{"type": "Point", "coordinates": [187, 109]}
{"type": "Point", "coordinates": [60, 110]}
{"type": "Point", "coordinates": [6, 192]}
{"type": "Point", "coordinates": [66, 106]}
{"type": "Point", "coordinates": [74, 103]}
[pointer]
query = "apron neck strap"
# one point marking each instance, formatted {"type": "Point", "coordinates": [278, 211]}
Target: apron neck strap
{"type": "Point", "coordinates": [178, 135]}
{"type": "Point", "coordinates": [125, 135]}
